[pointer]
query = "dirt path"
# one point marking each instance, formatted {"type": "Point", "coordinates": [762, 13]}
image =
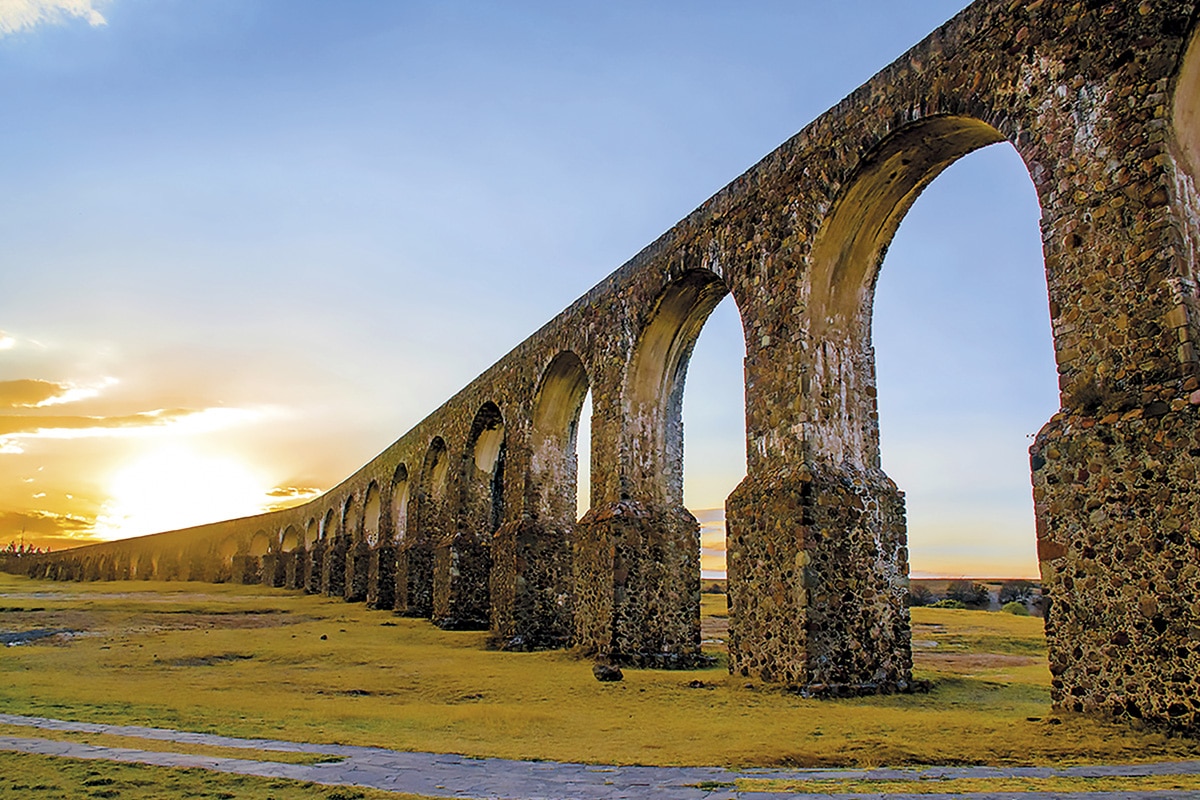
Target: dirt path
{"type": "Point", "coordinates": [437, 775]}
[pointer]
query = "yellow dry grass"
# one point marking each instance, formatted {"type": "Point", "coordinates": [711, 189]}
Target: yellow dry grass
{"type": "Point", "coordinates": [248, 661]}
{"type": "Point", "coordinates": [1149, 783]}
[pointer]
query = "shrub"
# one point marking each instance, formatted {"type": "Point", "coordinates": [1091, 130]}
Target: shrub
{"type": "Point", "coordinates": [918, 595]}
{"type": "Point", "coordinates": [973, 595]}
{"type": "Point", "coordinates": [948, 603]}
{"type": "Point", "coordinates": [1020, 591]}
{"type": "Point", "coordinates": [1015, 607]}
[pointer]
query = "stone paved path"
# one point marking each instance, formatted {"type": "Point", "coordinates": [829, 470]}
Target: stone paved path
{"type": "Point", "coordinates": [438, 775]}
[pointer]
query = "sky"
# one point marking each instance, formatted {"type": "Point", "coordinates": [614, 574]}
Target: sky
{"type": "Point", "coordinates": [247, 244]}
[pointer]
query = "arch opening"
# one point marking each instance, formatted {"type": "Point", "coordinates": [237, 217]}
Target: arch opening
{"type": "Point", "coordinates": [1185, 115]}
{"type": "Point", "coordinates": [400, 503]}
{"type": "Point", "coordinates": [371, 515]}
{"type": "Point", "coordinates": [291, 539]}
{"type": "Point", "coordinates": [557, 415]}
{"type": "Point", "coordinates": [482, 505]}
{"type": "Point", "coordinates": [311, 531]}
{"type": "Point", "coordinates": [656, 384]}
{"type": "Point", "coordinates": [260, 544]}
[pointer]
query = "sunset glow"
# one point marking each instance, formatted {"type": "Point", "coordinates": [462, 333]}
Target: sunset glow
{"type": "Point", "coordinates": [176, 487]}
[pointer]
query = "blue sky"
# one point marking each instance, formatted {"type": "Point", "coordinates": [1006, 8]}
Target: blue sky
{"type": "Point", "coordinates": [269, 237]}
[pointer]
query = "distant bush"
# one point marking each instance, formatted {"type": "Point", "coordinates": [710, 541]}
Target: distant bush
{"type": "Point", "coordinates": [948, 603]}
{"type": "Point", "coordinates": [918, 595]}
{"type": "Point", "coordinates": [972, 595]}
{"type": "Point", "coordinates": [1016, 591]}
{"type": "Point", "coordinates": [1015, 607]}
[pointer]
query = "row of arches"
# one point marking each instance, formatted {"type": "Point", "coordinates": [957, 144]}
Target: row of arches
{"type": "Point", "coordinates": [472, 511]}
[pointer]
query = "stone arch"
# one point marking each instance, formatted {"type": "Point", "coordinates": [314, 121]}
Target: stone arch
{"type": "Point", "coordinates": [311, 532]}
{"type": "Point", "coordinates": [291, 539]}
{"type": "Point", "coordinates": [428, 523]}
{"type": "Point", "coordinates": [1185, 112]}
{"type": "Point", "coordinates": [226, 550]}
{"type": "Point", "coordinates": [655, 383]}
{"type": "Point", "coordinates": [554, 458]}
{"type": "Point", "coordinates": [482, 477]}
{"type": "Point", "coordinates": [328, 525]}
{"type": "Point", "coordinates": [260, 544]}
{"type": "Point", "coordinates": [371, 514]}
{"type": "Point", "coordinates": [844, 264]}
{"type": "Point", "coordinates": [400, 496]}
{"type": "Point", "coordinates": [532, 583]}
{"type": "Point", "coordinates": [350, 523]}
{"type": "Point", "coordinates": [462, 558]}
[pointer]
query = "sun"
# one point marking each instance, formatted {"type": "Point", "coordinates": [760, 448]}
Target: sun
{"type": "Point", "coordinates": [176, 487]}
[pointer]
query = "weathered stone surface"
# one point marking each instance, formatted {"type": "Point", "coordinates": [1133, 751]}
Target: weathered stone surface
{"type": "Point", "coordinates": [607, 673]}
{"type": "Point", "coordinates": [1102, 102]}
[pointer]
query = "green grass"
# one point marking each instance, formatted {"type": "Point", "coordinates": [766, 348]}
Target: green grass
{"type": "Point", "coordinates": [36, 777]}
{"type": "Point", "coordinates": [248, 661]}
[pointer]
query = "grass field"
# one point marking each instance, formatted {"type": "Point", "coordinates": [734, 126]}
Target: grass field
{"type": "Point", "coordinates": [248, 661]}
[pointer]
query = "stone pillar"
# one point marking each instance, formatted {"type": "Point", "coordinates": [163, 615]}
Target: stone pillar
{"type": "Point", "coordinates": [316, 567]}
{"type": "Point", "coordinates": [358, 559]}
{"type": "Point", "coordinates": [461, 572]}
{"type": "Point", "coordinates": [381, 577]}
{"type": "Point", "coordinates": [246, 569]}
{"type": "Point", "coordinates": [297, 562]}
{"type": "Point", "coordinates": [274, 569]}
{"type": "Point", "coordinates": [1118, 524]}
{"type": "Point", "coordinates": [333, 566]}
{"type": "Point", "coordinates": [414, 579]}
{"type": "Point", "coordinates": [637, 578]}
{"type": "Point", "coordinates": [818, 570]}
{"type": "Point", "coordinates": [531, 587]}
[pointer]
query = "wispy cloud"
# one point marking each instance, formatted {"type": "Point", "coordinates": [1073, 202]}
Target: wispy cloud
{"type": "Point", "coordinates": [33, 393]}
{"type": "Point", "coordinates": [17, 427]}
{"type": "Point", "coordinates": [42, 524]}
{"type": "Point", "coordinates": [19, 15]}
{"type": "Point", "coordinates": [287, 496]}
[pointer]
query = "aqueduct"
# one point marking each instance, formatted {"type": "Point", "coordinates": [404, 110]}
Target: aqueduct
{"type": "Point", "coordinates": [469, 517]}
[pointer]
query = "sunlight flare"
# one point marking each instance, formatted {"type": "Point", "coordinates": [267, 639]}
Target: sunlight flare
{"type": "Point", "coordinates": [177, 487]}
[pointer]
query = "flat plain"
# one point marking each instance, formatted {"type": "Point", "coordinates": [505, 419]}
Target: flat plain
{"type": "Point", "coordinates": [266, 663]}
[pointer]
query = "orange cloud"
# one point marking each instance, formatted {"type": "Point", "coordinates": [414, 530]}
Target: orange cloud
{"type": "Point", "coordinates": [29, 393]}
{"type": "Point", "coordinates": [45, 529]}
{"type": "Point", "coordinates": [15, 427]}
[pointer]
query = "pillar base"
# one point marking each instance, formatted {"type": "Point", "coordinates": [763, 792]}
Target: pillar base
{"type": "Point", "coordinates": [1118, 522]}
{"type": "Point", "coordinates": [462, 566]}
{"type": "Point", "coordinates": [637, 581]}
{"type": "Point", "coordinates": [414, 580]}
{"type": "Point", "coordinates": [358, 561]}
{"type": "Point", "coordinates": [531, 587]}
{"type": "Point", "coordinates": [381, 577]}
{"type": "Point", "coordinates": [818, 571]}
{"type": "Point", "coordinates": [316, 561]}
